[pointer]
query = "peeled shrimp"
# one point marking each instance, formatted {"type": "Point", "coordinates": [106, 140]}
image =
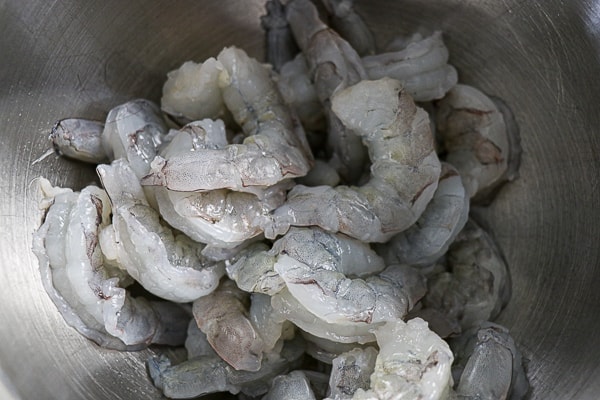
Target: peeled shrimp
{"type": "Point", "coordinates": [318, 272]}
{"type": "Point", "coordinates": [208, 374]}
{"type": "Point", "coordinates": [292, 386]}
{"type": "Point", "coordinates": [422, 67]}
{"type": "Point", "coordinates": [196, 342]}
{"type": "Point", "coordinates": [429, 238]}
{"type": "Point", "coordinates": [413, 363]}
{"type": "Point", "coordinates": [80, 139]}
{"type": "Point", "coordinates": [223, 317]}
{"type": "Point", "coordinates": [488, 364]}
{"type": "Point", "coordinates": [351, 371]}
{"type": "Point", "coordinates": [281, 46]}
{"type": "Point", "coordinates": [90, 296]}
{"type": "Point", "coordinates": [272, 151]}
{"type": "Point", "coordinates": [478, 140]}
{"type": "Point", "coordinates": [269, 325]}
{"type": "Point", "coordinates": [404, 171]}
{"type": "Point", "coordinates": [325, 350]}
{"type": "Point", "coordinates": [165, 263]}
{"type": "Point", "coordinates": [350, 25]}
{"type": "Point", "coordinates": [477, 286]}
{"type": "Point", "coordinates": [333, 65]}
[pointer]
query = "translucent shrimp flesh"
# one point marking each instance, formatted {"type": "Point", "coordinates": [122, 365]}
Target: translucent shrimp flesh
{"type": "Point", "coordinates": [273, 150]}
{"type": "Point", "coordinates": [422, 67]}
{"type": "Point", "coordinates": [325, 350]}
{"type": "Point", "coordinates": [196, 343]}
{"type": "Point", "coordinates": [429, 238]}
{"type": "Point", "coordinates": [292, 386]}
{"type": "Point", "coordinates": [477, 286]}
{"type": "Point", "coordinates": [413, 363]}
{"type": "Point", "coordinates": [479, 140]}
{"type": "Point", "coordinates": [333, 65]}
{"type": "Point", "coordinates": [281, 46]}
{"type": "Point", "coordinates": [80, 139]}
{"type": "Point", "coordinates": [165, 263]}
{"type": "Point", "coordinates": [488, 364]}
{"type": "Point", "coordinates": [351, 371]}
{"type": "Point", "coordinates": [404, 172]}
{"type": "Point", "coordinates": [90, 297]}
{"type": "Point", "coordinates": [207, 374]}
{"type": "Point", "coordinates": [350, 25]}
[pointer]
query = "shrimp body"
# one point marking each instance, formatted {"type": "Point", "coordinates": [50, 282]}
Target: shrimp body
{"type": "Point", "coordinates": [404, 171]}
{"type": "Point", "coordinates": [273, 150]}
{"type": "Point", "coordinates": [421, 65]}
{"type": "Point", "coordinates": [89, 295]}
{"type": "Point", "coordinates": [429, 238]}
{"type": "Point", "coordinates": [350, 25]}
{"type": "Point", "coordinates": [166, 264]}
{"type": "Point", "coordinates": [80, 139]}
{"type": "Point", "coordinates": [292, 386]}
{"type": "Point", "coordinates": [351, 371]}
{"type": "Point", "coordinates": [281, 46]}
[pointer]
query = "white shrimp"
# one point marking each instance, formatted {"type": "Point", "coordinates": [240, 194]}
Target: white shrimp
{"type": "Point", "coordinates": [281, 46]}
{"type": "Point", "coordinates": [429, 238]}
{"type": "Point", "coordinates": [272, 151]}
{"type": "Point", "coordinates": [89, 296]}
{"type": "Point", "coordinates": [422, 67]}
{"type": "Point", "coordinates": [477, 286]}
{"type": "Point", "coordinates": [292, 386]}
{"type": "Point", "coordinates": [413, 363]}
{"type": "Point", "coordinates": [488, 364]}
{"type": "Point", "coordinates": [333, 65]}
{"type": "Point", "coordinates": [209, 374]}
{"type": "Point", "coordinates": [192, 92]}
{"type": "Point", "coordinates": [351, 371]}
{"type": "Point", "coordinates": [325, 350]}
{"type": "Point", "coordinates": [80, 139]}
{"type": "Point", "coordinates": [166, 264]}
{"type": "Point", "coordinates": [350, 25]}
{"type": "Point", "coordinates": [269, 325]}
{"type": "Point", "coordinates": [322, 173]}
{"type": "Point", "coordinates": [223, 317]}
{"type": "Point", "coordinates": [320, 273]}
{"type": "Point", "coordinates": [404, 171]}
{"type": "Point", "coordinates": [480, 141]}
{"type": "Point", "coordinates": [196, 342]}
{"type": "Point", "coordinates": [221, 217]}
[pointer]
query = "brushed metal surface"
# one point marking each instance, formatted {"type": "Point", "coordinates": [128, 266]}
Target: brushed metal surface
{"type": "Point", "coordinates": [76, 58]}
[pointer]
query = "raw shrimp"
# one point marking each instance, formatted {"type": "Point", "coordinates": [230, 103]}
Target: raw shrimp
{"type": "Point", "coordinates": [165, 263]}
{"type": "Point", "coordinates": [281, 46]}
{"type": "Point", "coordinates": [196, 342]}
{"type": "Point", "coordinates": [272, 151]}
{"type": "Point", "coordinates": [207, 374]}
{"type": "Point", "coordinates": [413, 363]}
{"type": "Point", "coordinates": [318, 272]}
{"type": "Point", "coordinates": [350, 25]}
{"type": "Point", "coordinates": [269, 325]}
{"type": "Point", "coordinates": [133, 131]}
{"type": "Point", "coordinates": [404, 171]}
{"type": "Point", "coordinates": [86, 293]}
{"type": "Point", "coordinates": [221, 217]}
{"type": "Point", "coordinates": [325, 350]}
{"type": "Point", "coordinates": [429, 238]}
{"type": "Point", "coordinates": [252, 269]}
{"type": "Point", "coordinates": [223, 317]}
{"type": "Point", "coordinates": [293, 386]}
{"type": "Point", "coordinates": [80, 139]}
{"type": "Point", "coordinates": [333, 65]}
{"type": "Point", "coordinates": [298, 91]}
{"type": "Point", "coordinates": [192, 92]}
{"type": "Point", "coordinates": [488, 364]}
{"type": "Point", "coordinates": [351, 371]}
{"type": "Point", "coordinates": [477, 286]}
{"type": "Point", "coordinates": [422, 67]}
{"type": "Point", "coordinates": [478, 140]}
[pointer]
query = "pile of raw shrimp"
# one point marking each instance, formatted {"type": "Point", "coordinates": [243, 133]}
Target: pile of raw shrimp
{"type": "Point", "coordinates": [301, 227]}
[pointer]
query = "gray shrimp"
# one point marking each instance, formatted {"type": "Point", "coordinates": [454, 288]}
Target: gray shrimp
{"type": "Point", "coordinates": [89, 295]}
{"type": "Point", "coordinates": [79, 139]}
{"type": "Point", "coordinates": [477, 286]}
{"type": "Point", "coordinates": [480, 141]}
{"type": "Point", "coordinates": [429, 238]}
{"type": "Point", "coordinates": [281, 46]}
{"type": "Point", "coordinates": [350, 25]}
{"type": "Point", "coordinates": [488, 364]}
{"type": "Point", "coordinates": [404, 172]}
{"type": "Point", "coordinates": [351, 371]}
{"type": "Point", "coordinates": [275, 147]}
{"type": "Point", "coordinates": [209, 374]}
{"type": "Point", "coordinates": [422, 67]}
{"type": "Point", "coordinates": [292, 386]}
{"type": "Point", "coordinates": [333, 65]}
{"type": "Point", "coordinates": [165, 263]}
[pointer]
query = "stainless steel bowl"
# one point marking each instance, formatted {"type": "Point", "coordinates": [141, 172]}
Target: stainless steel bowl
{"type": "Point", "coordinates": [79, 58]}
